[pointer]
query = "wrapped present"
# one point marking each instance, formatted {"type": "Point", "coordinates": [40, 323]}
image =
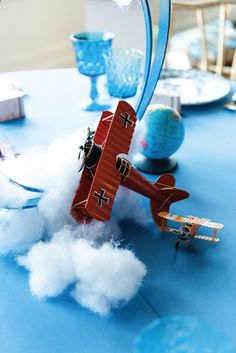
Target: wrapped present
{"type": "Point", "coordinates": [11, 100]}
{"type": "Point", "coordinates": [7, 150]}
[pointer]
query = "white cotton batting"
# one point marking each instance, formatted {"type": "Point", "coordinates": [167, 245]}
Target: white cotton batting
{"type": "Point", "coordinates": [108, 276]}
{"type": "Point", "coordinates": [10, 195]}
{"type": "Point", "coordinates": [19, 229]}
{"type": "Point", "coordinates": [104, 276]}
{"type": "Point", "coordinates": [50, 265]}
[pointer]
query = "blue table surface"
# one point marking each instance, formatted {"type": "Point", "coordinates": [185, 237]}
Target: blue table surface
{"type": "Point", "coordinates": [202, 283]}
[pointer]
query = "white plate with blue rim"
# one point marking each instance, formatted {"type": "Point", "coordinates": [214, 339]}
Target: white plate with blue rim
{"type": "Point", "coordinates": [194, 87]}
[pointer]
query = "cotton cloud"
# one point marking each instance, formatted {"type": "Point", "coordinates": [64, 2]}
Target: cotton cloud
{"type": "Point", "coordinates": [9, 194]}
{"type": "Point", "coordinates": [108, 276]}
{"type": "Point", "coordinates": [104, 276]}
{"type": "Point", "coordinates": [19, 230]}
{"type": "Point", "coordinates": [50, 265]}
{"type": "Point", "coordinates": [52, 167]}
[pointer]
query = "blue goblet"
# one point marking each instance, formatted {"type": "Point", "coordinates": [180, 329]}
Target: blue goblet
{"type": "Point", "coordinates": [90, 48]}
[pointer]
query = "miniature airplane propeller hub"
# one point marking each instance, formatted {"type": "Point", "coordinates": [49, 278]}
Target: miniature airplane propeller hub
{"type": "Point", "coordinates": [91, 153]}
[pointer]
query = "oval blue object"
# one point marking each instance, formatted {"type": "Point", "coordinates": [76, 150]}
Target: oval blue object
{"type": "Point", "coordinates": [164, 132]}
{"type": "Point", "coordinates": [182, 334]}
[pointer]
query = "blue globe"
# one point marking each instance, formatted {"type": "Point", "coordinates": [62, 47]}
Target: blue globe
{"type": "Point", "coordinates": [164, 132]}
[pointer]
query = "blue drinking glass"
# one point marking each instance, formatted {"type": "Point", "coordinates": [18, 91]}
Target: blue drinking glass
{"type": "Point", "coordinates": [90, 48]}
{"type": "Point", "coordinates": [123, 70]}
{"type": "Point", "coordinates": [182, 334]}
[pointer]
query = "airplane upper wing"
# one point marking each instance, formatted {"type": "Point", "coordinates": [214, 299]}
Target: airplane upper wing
{"type": "Point", "coordinates": [193, 220]}
{"type": "Point", "coordinates": [118, 130]}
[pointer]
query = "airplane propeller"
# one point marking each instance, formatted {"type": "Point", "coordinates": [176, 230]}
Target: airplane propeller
{"type": "Point", "coordinates": [88, 136]}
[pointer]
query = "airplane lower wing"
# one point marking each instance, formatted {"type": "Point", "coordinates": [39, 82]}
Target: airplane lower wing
{"type": "Point", "coordinates": [106, 179]}
{"type": "Point", "coordinates": [97, 189]}
{"type": "Point", "coordinates": [175, 231]}
{"type": "Point", "coordinates": [204, 237]}
{"type": "Point", "coordinates": [78, 210]}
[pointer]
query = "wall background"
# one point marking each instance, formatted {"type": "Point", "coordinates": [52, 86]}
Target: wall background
{"type": "Point", "coordinates": [127, 22]}
{"type": "Point", "coordinates": [35, 33]}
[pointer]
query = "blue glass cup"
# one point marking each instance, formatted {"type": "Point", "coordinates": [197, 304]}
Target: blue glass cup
{"type": "Point", "coordinates": [182, 334]}
{"type": "Point", "coordinates": [90, 48]}
{"type": "Point", "coordinates": [123, 70]}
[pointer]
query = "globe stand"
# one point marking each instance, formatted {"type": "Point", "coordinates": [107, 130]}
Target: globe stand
{"type": "Point", "coordinates": [156, 166]}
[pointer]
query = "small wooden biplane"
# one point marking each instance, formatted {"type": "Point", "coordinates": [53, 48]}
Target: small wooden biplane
{"type": "Point", "coordinates": [104, 169]}
{"type": "Point", "coordinates": [193, 224]}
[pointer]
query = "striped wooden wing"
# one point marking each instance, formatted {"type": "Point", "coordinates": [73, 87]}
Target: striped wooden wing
{"type": "Point", "coordinates": [204, 237]}
{"type": "Point", "coordinates": [191, 219]}
{"type": "Point", "coordinates": [174, 231]}
{"type": "Point", "coordinates": [78, 210]}
{"type": "Point", "coordinates": [78, 205]}
{"type": "Point", "coordinates": [106, 179]}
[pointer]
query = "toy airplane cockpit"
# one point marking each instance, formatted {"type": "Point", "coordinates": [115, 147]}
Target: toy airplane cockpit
{"type": "Point", "coordinates": [104, 169]}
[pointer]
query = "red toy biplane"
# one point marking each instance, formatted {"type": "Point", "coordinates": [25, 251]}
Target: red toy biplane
{"type": "Point", "coordinates": [104, 169]}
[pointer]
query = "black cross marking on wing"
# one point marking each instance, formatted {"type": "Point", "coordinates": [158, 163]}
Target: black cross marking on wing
{"type": "Point", "coordinates": [101, 197]}
{"type": "Point", "coordinates": [126, 121]}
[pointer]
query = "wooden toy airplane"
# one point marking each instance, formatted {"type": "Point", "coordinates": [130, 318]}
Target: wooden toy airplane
{"type": "Point", "coordinates": [104, 169]}
{"type": "Point", "coordinates": [193, 223]}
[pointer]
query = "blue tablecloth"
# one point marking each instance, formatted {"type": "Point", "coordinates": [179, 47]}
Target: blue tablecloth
{"type": "Point", "coordinates": [202, 283]}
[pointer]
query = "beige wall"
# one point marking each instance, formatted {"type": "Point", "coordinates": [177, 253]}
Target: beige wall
{"type": "Point", "coordinates": [126, 23]}
{"type": "Point", "coordinates": [35, 33]}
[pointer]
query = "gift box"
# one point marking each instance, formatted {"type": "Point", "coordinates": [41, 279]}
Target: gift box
{"type": "Point", "coordinates": [11, 101]}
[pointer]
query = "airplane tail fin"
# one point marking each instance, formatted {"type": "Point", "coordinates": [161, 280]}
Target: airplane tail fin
{"type": "Point", "coordinates": [166, 184]}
